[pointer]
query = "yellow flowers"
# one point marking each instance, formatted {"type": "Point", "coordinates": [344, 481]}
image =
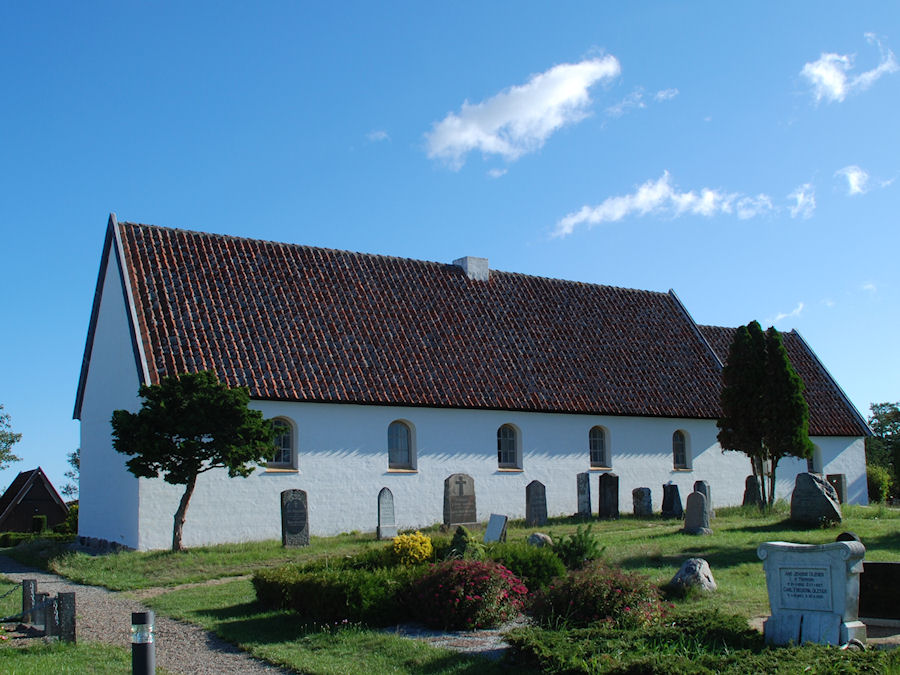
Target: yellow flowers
{"type": "Point", "coordinates": [412, 549]}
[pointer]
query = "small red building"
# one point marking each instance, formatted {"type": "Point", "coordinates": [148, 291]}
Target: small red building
{"type": "Point", "coordinates": [31, 494]}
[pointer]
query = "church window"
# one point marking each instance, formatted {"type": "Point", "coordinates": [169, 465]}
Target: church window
{"type": "Point", "coordinates": [400, 446]}
{"type": "Point", "coordinates": [598, 448]}
{"type": "Point", "coordinates": [507, 447]}
{"type": "Point", "coordinates": [284, 445]}
{"type": "Point", "coordinates": [680, 454]}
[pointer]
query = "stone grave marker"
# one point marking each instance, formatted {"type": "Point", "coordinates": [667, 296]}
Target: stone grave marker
{"type": "Point", "coordinates": [535, 504]}
{"type": "Point", "coordinates": [671, 504]}
{"type": "Point", "coordinates": [752, 494]}
{"type": "Point", "coordinates": [583, 480]}
{"type": "Point", "coordinates": [642, 501]}
{"type": "Point", "coordinates": [813, 592]}
{"type": "Point", "coordinates": [814, 501]}
{"type": "Point", "coordinates": [294, 518]}
{"type": "Point", "coordinates": [703, 486]}
{"type": "Point", "coordinates": [459, 500]}
{"type": "Point", "coordinates": [839, 482]}
{"type": "Point", "coordinates": [609, 496]}
{"type": "Point", "coordinates": [496, 529]}
{"type": "Point", "coordinates": [879, 593]}
{"type": "Point", "coordinates": [696, 518]}
{"type": "Point", "coordinates": [387, 526]}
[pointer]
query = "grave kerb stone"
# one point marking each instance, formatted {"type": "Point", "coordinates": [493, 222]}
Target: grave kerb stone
{"type": "Point", "coordinates": [813, 592]}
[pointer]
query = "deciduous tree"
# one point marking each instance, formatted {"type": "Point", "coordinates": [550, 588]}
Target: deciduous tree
{"type": "Point", "coordinates": [187, 425]}
{"type": "Point", "coordinates": [883, 448]}
{"type": "Point", "coordinates": [7, 439]}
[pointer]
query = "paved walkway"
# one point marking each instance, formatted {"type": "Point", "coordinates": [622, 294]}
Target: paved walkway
{"type": "Point", "coordinates": [105, 616]}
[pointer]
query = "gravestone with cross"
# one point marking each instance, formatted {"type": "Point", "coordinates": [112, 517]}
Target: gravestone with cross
{"type": "Point", "coordinates": [459, 500]}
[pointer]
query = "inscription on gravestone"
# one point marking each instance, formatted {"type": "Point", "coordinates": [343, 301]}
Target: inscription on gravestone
{"type": "Point", "coordinates": [535, 504]}
{"type": "Point", "coordinates": [387, 528]}
{"type": "Point", "coordinates": [583, 481]}
{"type": "Point", "coordinates": [459, 500]}
{"type": "Point", "coordinates": [294, 518]}
{"type": "Point", "coordinates": [805, 588]}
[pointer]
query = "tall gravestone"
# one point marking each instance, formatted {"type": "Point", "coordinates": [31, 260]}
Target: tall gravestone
{"type": "Point", "coordinates": [813, 592]}
{"type": "Point", "coordinates": [387, 526]}
{"type": "Point", "coordinates": [642, 502]}
{"type": "Point", "coordinates": [535, 504]}
{"type": "Point", "coordinates": [459, 500]}
{"type": "Point", "coordinates": [294, 518]}
{"type": "Point", "coordinates": [608, 496]}
{"type": "Point", "coordinates": [696, 518]}
{"type": "Point", "coordinates": [814, 501]}
{"type": "Point", "coordinates": [671, 504]}
{"type": "Point", "coordinates": [703, 486]}
{"type": "Point", "coordinates": [583, 480]}
{"type": "Point", "coordinates": [752, 493]}
{"type": "Point", "coordinates": [839, 482]}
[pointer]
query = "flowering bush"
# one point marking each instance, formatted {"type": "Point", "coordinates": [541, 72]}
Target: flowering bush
{"type": "Point", "coordinates": [466, 594]}
{"type": "Point", "coordinates": [412, 549]}
{"type": "Point", "coordinates": [601, 594]}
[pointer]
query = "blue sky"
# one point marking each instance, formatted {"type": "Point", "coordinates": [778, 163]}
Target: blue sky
{"type": "Point", "coordinates": [744, 155]}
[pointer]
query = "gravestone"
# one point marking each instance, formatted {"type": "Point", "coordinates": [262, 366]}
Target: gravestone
{"type": "Point", "coordinates": [387, 527]}
{"type": "Point", "coordinates": [294, 518]}
{"type": "Point", "coordinates": [814, 501]}
{"type": "Point", "coordinates": [643, 502]}
{"type": "Point", "coordinates": [813, 592]}
{"type": "Point", "coordinates": [879, 592]}
{"type": "Point", "coordinates": [535, 504]}
{"type": "Point", "coordinates": [583, 481]}
{"type": "Point", "coordinates": [671, 504]}
{"type": "Point", "coordinates": [752, 493]}
{"type": "Point", "coordinates": [696, 518]}
{"type": "Point", "coordinates": [839, 482]}
{"type": "Point", "coordinates": [459, 500]}
{"type": "Point", "coordinates": [609, 496]}
{"type": "Point", "coordinates": [703, 486]}
{"type": "Point", "coordinates": [496, 529]}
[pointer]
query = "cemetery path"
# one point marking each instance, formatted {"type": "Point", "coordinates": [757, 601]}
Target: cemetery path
{"type": "Point", "coordinates": [105, 616]}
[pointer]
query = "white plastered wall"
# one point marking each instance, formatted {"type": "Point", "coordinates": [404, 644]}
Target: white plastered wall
{"type": "Point", "coordinates": [343, 465]}
{"type": "Point", "coordinates": [108, 493]}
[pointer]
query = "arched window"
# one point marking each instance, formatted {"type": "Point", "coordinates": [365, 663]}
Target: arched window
{"type": "Point", "coordinates": [680, 458]}
{"type": "Point", "coordinates": [507, 447]}
{"type": "Point", "coordinates": [284, 444]}
{"type": "Point", "coordinates": [400, 446]}
{"type": "Point", "coordinates": [598, 446]}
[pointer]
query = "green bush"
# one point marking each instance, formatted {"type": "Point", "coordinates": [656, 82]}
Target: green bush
{"type": "Point", "coordinates": [70, 524]}
{"type": "Point", "coordinates": [464, 546]}
{"type": "Point", "coordinates": [880, 482]}
{"type": "Point", "coordinates": [577, 549]}
{"type": "Point", "coordinates": [335, 595]}
{"type": "Point", "coordinates": [466, 594]}
{"type": "Point", "coordinates": [599, 594]}
{"type": "Point", "coordinates": [536, 566]}
{"type": "Point", "coordinates": [8, 539]}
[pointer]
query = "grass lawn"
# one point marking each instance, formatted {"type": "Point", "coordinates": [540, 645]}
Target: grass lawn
{"type": "Point", "coordinates": [652, 547]}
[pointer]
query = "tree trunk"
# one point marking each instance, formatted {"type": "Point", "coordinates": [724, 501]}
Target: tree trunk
{"type": "Point", "coordinates": [772, 482]}
{"type": "Point", "coordinates": [759, 472]}
{"type": "Point", "coordinates": [180, 513]}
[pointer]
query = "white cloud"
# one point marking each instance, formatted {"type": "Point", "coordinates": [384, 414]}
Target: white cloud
{"type": "Point", "coordinates": [665, 94]}
{"type": "Point", "coordinates": [828, 302]}
{"type": "Point", "coordinates": [496, 173]}
{"type": "Point", "coordinates": [634, 100]}
{"type": "Point", "coordinates": [778, 317]}
{"type": "Point", "coordinates": [519, 119]}
{"type": "Point", "coordinates": [378, 135]}
{"type": "Point", "coordinates": [804, 197]}
{"type": "Point", "coordinates": [660, 197]}
{"type": "Point", "coordinates": [829, 74]}
{"type": "Point", "coordinates": [856, 179]}
{"type": "Point", "coordinates": [869, 287]}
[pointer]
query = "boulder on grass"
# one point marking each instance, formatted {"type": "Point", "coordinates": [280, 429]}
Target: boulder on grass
{"type": "Point", "coordinates": [539, 539]}
{"type": "Point", "coordinates": [814, 501]}
{"type": "Point", "coordinates": [694, 573]}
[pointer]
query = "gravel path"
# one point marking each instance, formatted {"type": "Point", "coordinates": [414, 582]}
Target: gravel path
{"type": "Point", "coordinates": [104, 616]}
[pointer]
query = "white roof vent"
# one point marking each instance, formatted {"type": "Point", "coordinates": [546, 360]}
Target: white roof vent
{"type": "Point", "coordinates": [475, 268]}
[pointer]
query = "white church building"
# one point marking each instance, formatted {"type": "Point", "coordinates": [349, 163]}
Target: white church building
{"type": "Point", "coordinates": [391, 372]}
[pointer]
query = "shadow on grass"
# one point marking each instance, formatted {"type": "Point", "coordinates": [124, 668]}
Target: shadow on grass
{"type": "Point", "coordinates": [718, 557]}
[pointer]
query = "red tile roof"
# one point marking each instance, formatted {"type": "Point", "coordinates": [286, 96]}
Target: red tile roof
{"type": "Point", "coordinates": [830, 413]}
{"type": "Point", "coordinates": [299, 323]}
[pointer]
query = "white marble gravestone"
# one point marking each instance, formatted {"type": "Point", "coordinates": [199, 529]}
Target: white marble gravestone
{"type": "Point", "coordinates": [496, 529]}
{"type": "Point", "coordinates": [387, 526]}
{"type": "Point", "coordinates": [813, 592]}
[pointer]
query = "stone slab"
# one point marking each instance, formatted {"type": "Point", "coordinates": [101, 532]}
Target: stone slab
{"type": "Point", "coordinates": [496, 528]}
{"type": "Point", "coordinates": [608, 495]}
{"type": "Point", "coordinates": [642, 502]}
{"type": "Point", "coordinates": [671, 505]}
{"type": "Point", "coordinates": [583, 484]}
{"type": "Point", "coordinates": [294, 518]}
{"type": "Point", "coordinates": [879, 590]}
{"type": "Point", "coordinates": [535, 504]}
